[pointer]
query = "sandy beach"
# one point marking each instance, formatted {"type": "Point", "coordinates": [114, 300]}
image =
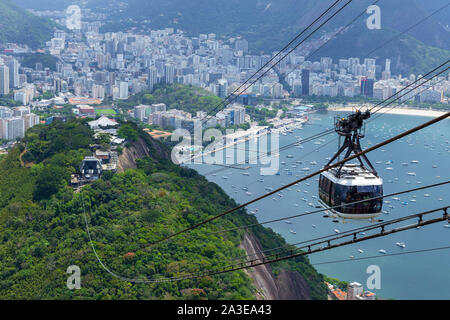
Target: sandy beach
{"type": "Point", "coordinates": [398, 110]}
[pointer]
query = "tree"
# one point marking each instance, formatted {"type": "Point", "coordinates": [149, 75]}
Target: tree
{"type": "Point", "coordinates": [49, 180]}
{"type": "Point", "coordinates": [126, 131]}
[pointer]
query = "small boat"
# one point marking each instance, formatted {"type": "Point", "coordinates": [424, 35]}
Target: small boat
{"type": "Point", "coordinates": [292, 231]}
{"type": "Point", "coordinates": [288, 222]}
{"type": "Point", "coordinates": [382, 251]}
{"type": "Point", "coordinates": [447, 225]}
{"type": "Point", "coordinates": [224, 177]}
{"type": "Point", "coordinates": [290, 156]}
{"type": "Point", "coordinates": [336, 230]}
{"type": "Point", "coordinates": [360, 251]}
{"type": "Point", "coordinates": [411, 173]}
{"type": "Point", "coordinates": [415, 161]}
{"type": "Point", "coordinates": [401, 244]}
{"type": "Point", "coordinates": [313, 225]}
{"type": "Point", "coordinates": [248, 193]}
{"type": "Point", "coordinates": [245, 173]}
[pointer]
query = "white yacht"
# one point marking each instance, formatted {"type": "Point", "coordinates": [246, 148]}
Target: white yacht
{"type": "Point", "coordinates": [401, 244]}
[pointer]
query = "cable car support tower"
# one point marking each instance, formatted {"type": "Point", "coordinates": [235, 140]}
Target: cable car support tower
{"type": "Point", "coordinates": [352, 129]}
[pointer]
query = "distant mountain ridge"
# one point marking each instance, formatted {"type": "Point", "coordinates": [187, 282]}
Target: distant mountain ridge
{"type": "Point", "coordinates": [19, 26]}
{"type": "Point", "coordinates": [269, 25]}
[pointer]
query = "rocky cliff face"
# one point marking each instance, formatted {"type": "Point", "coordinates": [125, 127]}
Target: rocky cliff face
{"type": "Point", "coordinates": [140, 149]}
{"type": "Point", "coordinates": [288, 285]}
{"type": "Point", "coordinates": [127, 160]}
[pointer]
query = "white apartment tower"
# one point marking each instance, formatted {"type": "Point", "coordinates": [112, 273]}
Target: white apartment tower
{"type": "Point", "coordinates": [4, 80]}
{"type": "Point", "coordinates": [354, 289]}
{"type": "Point", "coordinates": [13, 66]}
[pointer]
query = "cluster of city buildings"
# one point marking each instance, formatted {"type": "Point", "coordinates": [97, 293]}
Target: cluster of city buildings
{"type": "Point", "coordinates": [157, 114]}
{"type": "Point", "coordinates": [15, 122]}
{"type": "Point", "coordinates": [116, 65]}
{"type": "Point", "coordinates": [355, 291]}
{"type": "Point", "coordinates": [93, 66]}
{"type": "Point", "coordinates": [353, 77]}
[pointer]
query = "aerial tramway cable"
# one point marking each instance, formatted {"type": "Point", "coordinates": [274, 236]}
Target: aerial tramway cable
{"type": "Point", "coordinates": [230, 96]}
{"type": "Point", "coordinates": [363, 152]}
{"type": "Point", "coordinates": [329, 131]}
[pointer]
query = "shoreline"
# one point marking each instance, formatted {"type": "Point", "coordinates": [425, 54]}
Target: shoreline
{"type": "Point", "coordinates": [398, 111]}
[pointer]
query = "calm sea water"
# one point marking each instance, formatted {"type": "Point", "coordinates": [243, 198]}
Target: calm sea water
{"type": "Point", "coordinates": [413, 276]}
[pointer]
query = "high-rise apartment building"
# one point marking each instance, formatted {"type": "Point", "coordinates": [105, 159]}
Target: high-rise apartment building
{"type": "Point", "coordinates": [4, 80]}
{"type": "Point", "coordinates": [305, 82]}
{"type": "Point", "coordinates": [13, 66]}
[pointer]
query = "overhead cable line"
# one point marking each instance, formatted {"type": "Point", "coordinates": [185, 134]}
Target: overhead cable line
{"type": "Point", "coordinates": [377, 146]}
{"type": "Point", "coordinates": [331, 208]}
{"type": "Point", "coordinates": [350, 23]}
{"type": "Point", "coordinates": [325, 245]}
{"type": "Point", "coordinates": [382, 256]}
{"type": "Point", "coordinates": [311, 213]}
{"type": "Point", "coordinates": [225, 103]}
{"type": "Point", "coordinates": [322, 134]}
{"type": "Point", "coordinates": [413, 26]}
{"type": "Point", "coordinates": [279, 257]}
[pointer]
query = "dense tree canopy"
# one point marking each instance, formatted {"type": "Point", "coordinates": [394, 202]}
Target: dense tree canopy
{"type": "Point", "coordinates": [43, 231]}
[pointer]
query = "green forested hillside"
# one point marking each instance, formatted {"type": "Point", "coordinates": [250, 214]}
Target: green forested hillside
{"type": "Point", "coordinates": [176, 96]}
{"type": "Point", "coordinates": [42, 230]}
{"type": "Point", "coordinates": [20, 26]}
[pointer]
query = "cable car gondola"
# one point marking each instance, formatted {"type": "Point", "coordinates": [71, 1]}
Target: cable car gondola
{"type": "Point", "coordinates": [350, 182]}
